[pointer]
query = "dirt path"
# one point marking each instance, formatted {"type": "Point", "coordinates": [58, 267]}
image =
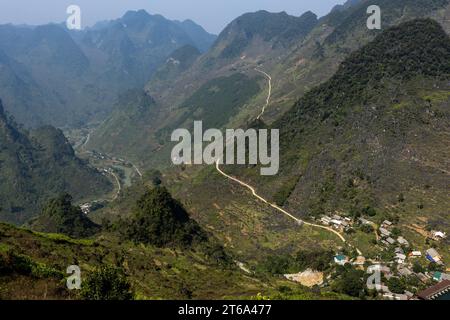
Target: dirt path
{"type": "Point", "coordinates": [298, 221]}
{"type": "Point", "coordinates": [87, 141]}
{"type": "Point", "coordinates": [119, 186]}
{"type": "Point", "coordinates": [137, 170]}
{"type": "Point", "coordinates": [268, 96]}
{"type": "Point", "coordinates": [253, 191]}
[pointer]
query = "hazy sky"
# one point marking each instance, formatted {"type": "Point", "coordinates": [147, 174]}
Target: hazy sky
{"type": "Point", "coordinates": [213, 15]}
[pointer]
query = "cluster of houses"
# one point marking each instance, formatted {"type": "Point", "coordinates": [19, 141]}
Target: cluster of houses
{"type": "Point", "coordinates": [388, 273]}
{"type": "Point", "coordinates": [402, 254]}
{"type": "Point", "coordinates": [380, 287]}
{"type": "Point", "coordinates": [337, 222]}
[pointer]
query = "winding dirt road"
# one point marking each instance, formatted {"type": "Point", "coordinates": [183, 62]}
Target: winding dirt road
{"type": "Point", "coordinates": [119, 189]}
{"type": "Point", "coordinates": [253, 191]}
{"type": "Point", "coordinates": [268, 96]}
{"type": "Point", "coordinates": [298, 221]}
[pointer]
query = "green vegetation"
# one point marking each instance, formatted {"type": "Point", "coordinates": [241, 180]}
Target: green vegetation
{"type": "Point", "coordinates": [285, 191]}
{"type": "Point", "coordinates": [106, 283]}
{"type": "Point", "coordinates": [160, 220]}
{"type": "Point", "coordinates": [13, 263]}
{"type": "Point", "coordinates": [350, 281]}
{"type": "Point", "coordinates": [396, 285]}
{"type": "Point", "coordinates": [346, 122]}
{"type": "Point", "coordinates": [60, 216]}
{"type": "Point", "coordinates": [37, 166]}
{"type": "Point", "coordinates": [218, 100]}
{"type": "Point", "coordinates": [318, 260]}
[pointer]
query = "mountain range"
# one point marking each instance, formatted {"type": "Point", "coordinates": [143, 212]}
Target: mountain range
{"type": "Point", "coordinates": [364, 133]}
{"type": "Point", "coordinates": [37, 165]}
{"type": "Point", "coordinates": [46, 68]}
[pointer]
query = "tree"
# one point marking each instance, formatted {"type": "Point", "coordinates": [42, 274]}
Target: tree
{"type": "Point", "coordinates": [61, 216]}
{"type": "Point", "coordinates": [370, 211]}
{"type": "Point", "coordinates": [417, 267]}
{"type": "Point", "coordinates": [160, 220]}
{"type": "Point", "coordinates": [106, 283]}
{"type": "Point", "coordinates": [396, 285]}
{"type": "Point", "coordinates": [350, 283]}
{"type": "Point", "coordinates": [367, 228]}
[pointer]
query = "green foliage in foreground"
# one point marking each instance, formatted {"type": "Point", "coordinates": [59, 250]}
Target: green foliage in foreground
{"type": "Point", "coordinates": [12, 262]}
{"type": "Point", "coordinates": [106, 283]}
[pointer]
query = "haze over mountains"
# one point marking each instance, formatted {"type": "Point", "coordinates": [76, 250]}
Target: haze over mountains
{"type": "Point", "coordinates": [364, 122]}
{"type": "Point", "coordinates": [67, 78]}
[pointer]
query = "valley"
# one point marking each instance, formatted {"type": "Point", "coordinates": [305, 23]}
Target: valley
{"type": "Point", "coordinates": [88, 177]}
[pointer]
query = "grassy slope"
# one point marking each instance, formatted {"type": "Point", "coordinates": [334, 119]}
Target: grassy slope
{"type": "Point", "coordinates": [154, 273]}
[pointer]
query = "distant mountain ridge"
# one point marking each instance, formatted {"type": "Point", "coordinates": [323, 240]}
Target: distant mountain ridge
{"type": "Point", "coordinates": [298, 52]}
{"type": "Point", "coordinates": [50, 66]}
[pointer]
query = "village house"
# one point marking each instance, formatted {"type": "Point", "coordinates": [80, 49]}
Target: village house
{"type": "Point", "coordinates": [400, 258]}
{"type": "Point", "coordinates": [337, 224]}
{"type": "Point", "coordinates": [403, 241]}
{"type": "Point", "coordinates": [416, 254]}
{"type": "Point", "coordinates": [387, 223]}
{"type": "Point", "coordinates": [384, 232]}
{"type": "Point", "coordinates": [433, 256]}
{"type": "Point", "coordinates": [364, 221]}
{"type": "Point", "coordinates": [390, 240]}
{"type": "Point", "coordinates": [326, 220]}
{"type": "Point", "coordinates": [340, 260]}
{"type": "Point", "coordinates": [337, 217]}
{"type": "Point", "coordinates": [439, 276]}
{"type": "Point", "coordinates": [405, 272]}
{"type": "Point", "coordinates": [435, 291]}
{"type": "Point", "coordinates": [422, 277]}
{"type": "Point", "coordinates": [438, 235]}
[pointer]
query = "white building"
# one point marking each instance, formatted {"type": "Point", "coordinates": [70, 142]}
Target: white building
{"type": "Point", "coordinates": [416, 254]}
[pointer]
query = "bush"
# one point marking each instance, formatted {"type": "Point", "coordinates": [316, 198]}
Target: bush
{"type": "Point", "coordinates": [396, 285]}
{"type": "Point", "coordinates": [351, 282]}
{"type": "Point", "coordinates": [161, 221]}
{"type": "Point", "coordinates": [367, 228]}
{"type": "Point", "coordinates": [417, 267]}
{"type": "Point", "coordinates": [106, 283]}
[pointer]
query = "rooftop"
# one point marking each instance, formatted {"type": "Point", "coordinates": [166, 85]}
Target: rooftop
{"type": "Point", "coordinates": [435, 291]}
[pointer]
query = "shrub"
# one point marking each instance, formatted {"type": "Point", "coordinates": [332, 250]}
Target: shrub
{"type": "Point", "coordinates": [106, 283]}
